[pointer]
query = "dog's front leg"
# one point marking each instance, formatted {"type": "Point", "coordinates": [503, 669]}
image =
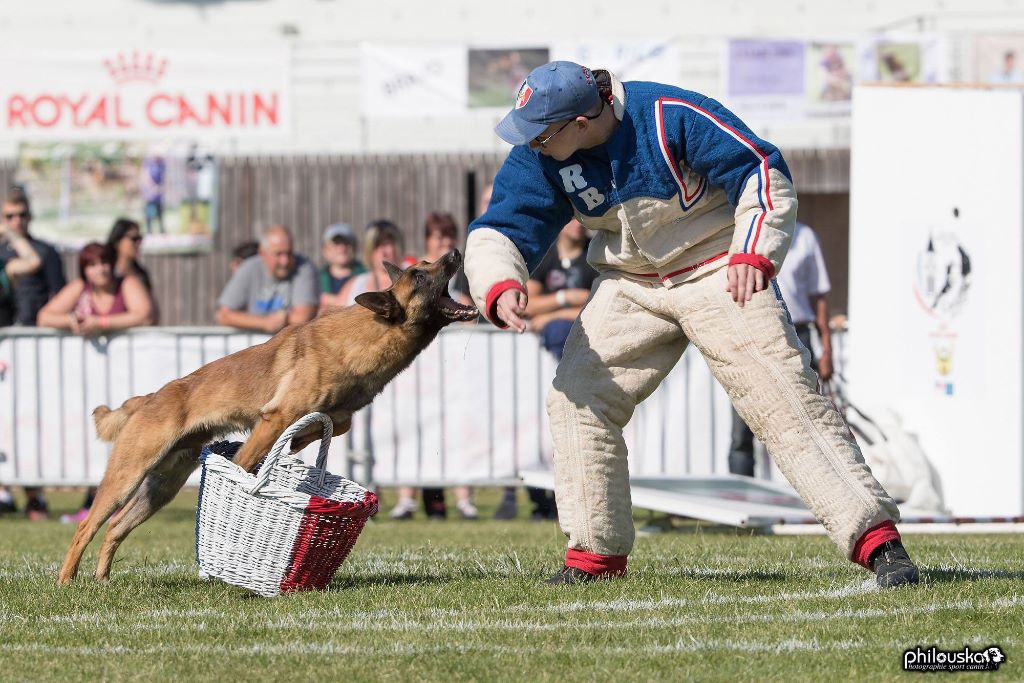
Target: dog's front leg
{"type": "Point", "coordinates": [341, 426]}
{"type": "Point", "coordinates": [259, 443]}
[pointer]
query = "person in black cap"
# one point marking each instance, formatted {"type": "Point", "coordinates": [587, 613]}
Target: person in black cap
{"type": "Point", "coordinates": [692, 215]}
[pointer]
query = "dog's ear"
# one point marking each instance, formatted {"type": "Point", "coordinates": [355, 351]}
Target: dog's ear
{"type": "Point", "coordinates": [383, 304]}
{"type": "Point", "coordinates": [394, 272]}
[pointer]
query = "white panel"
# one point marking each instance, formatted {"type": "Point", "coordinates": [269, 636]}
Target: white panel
{"type": "Point", "coordinates": [951, 369]}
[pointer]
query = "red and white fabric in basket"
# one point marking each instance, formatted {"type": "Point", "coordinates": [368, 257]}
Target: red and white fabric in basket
{"type": "Point", "coordinates": [288, 528]}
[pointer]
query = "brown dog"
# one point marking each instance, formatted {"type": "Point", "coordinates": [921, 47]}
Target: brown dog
{"type": "Point", "coordinates": [333, 364]}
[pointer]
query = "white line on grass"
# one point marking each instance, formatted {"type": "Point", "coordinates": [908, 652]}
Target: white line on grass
{"type": "Point", "coordinates": [399, 649]}
{"type": "Point", "coordinates": [400, 623]}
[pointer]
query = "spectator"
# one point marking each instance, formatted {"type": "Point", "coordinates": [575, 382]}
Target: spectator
{"type": "Point", "coordinates": [560, 287]}
{"type": "Point", "coordinates": [241, 252]}
{"type": "Point", "coordinates": [126, 239]}
{"type": "Point", "coordinates": [17, 259]}
{"type": "Point", "coordinates": [36, 288]}
{"type": "Point", "coordinates": [151, 184]}
{"type": "Point", "coordinates": [340, 264]}
{"type": "Point", "coordinates": [24, 261]}
{"type": "Point", "coordinates": [440, 236]}
{"type": "Point", "coordinates": [557, 291]}
{"type": "Point", "coordinates": [804, 283]}
{"type": "Point", "coordinates": [382, 241]}
{"type": "Point", "coordinates": [276, 289]}
{"type": "Point", "coordinates": [98, 302]}
{"type": "Point", "coordinates": [31, 294]}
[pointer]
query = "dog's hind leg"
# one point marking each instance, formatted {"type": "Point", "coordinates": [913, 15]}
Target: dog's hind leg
{"type": "Point", "coordinates": [139, 449]}
{"type": "Point", "coordinates": [116, 486]}
{"type": "Point", "coordinates": [158, 488]}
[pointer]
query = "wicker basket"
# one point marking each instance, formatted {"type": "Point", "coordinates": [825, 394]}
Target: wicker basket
{"type": "Point", "coordinates": [288, 528]}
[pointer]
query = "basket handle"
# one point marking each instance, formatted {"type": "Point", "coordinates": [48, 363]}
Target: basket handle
{"type": "Point", "coordinates": [263, 476]}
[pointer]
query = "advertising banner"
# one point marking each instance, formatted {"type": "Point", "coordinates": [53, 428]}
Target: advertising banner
{"type": "Point", "coordinates": [413, 82]}
{"type": "Point", "coordinates": [142, 95]}
{"type": "Point", "coordinates": [651, 60]}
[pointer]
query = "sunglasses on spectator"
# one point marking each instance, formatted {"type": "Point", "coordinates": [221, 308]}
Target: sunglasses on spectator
{"type": "Point", "coordinates": [135, 238]}
{"type": "Point", "coordinates": [16, 214]}
{"type": "Point", "coordinates": [340, 240]}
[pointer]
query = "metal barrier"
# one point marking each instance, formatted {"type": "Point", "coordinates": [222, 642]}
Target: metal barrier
{"type": "Point", "coordinates": [470, 409]}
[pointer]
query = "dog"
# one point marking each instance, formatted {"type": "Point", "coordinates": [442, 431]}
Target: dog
{"type": "Point", "coordinates": [334, 364]}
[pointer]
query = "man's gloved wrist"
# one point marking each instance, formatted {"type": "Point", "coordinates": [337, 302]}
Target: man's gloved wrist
{"type": "Point", "coordinates": [755, 260]}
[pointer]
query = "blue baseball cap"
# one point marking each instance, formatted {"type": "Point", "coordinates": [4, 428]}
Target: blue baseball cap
{"type": "Point", "coordinates": [552, 93]}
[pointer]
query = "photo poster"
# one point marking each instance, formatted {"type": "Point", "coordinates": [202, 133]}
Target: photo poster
{"type": "Point", "coordinates": [651, 60]}
{"type": "Point", "coordinates": [999, 59]}
{"type": "Point", "coordinates": [765, 80]}
{"type": "Point", "coordinates": [831, 73]}
{"type": "Point", "coordinates": [495, 74]}
{"type": "Point", "coordinates": [79, 189]}
{"type": "Point", "coordinates": [901, 59]}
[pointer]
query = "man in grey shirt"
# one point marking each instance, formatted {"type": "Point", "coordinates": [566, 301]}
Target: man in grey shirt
{"type": "Point", "coordinates": [272, 289]}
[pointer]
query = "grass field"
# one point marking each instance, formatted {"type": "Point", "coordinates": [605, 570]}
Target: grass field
{"type": "Point", "coordinates": [435, 601]}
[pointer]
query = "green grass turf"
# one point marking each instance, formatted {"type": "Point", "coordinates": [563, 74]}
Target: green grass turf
{"type": "Point", "coordinates": [456, 600]}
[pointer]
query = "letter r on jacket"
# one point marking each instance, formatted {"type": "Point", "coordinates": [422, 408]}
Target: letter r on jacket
{"type": "Point", "coordinates": [572, 178]}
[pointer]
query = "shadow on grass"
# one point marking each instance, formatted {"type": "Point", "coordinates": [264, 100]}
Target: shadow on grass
{"type": "Point", "coordinates": [949, 574]}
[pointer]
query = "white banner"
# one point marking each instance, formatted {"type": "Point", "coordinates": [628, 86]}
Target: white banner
{"type": "Point", "coordinates": [935, 282]}
{"type": "Point", "coordinates": [650, 60]}
{"type": "Point", "coordinates": [143, 94]}
{"type": "Point", "coordinates": [400, 81]}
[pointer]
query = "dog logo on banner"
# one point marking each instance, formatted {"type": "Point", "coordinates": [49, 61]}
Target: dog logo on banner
{"type": "Point", "coordinates": [943, 279]}
{"type": "Point", "coordinates": [525, 92]}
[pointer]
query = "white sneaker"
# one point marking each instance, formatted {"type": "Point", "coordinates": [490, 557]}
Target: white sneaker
{"type": "Point", "coordinates": [404, 509]}
{"type": "Point", "coordinates": [467, 510]}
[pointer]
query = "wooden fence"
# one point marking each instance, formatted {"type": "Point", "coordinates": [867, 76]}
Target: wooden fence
{"type": "Point", "coordinates": [307, 193]}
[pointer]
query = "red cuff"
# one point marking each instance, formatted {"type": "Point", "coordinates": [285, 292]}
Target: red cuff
{"type": "Point", "coordinates": [869, 542]}
{"type": "Point", "coordinates": [592, 563]}
{"type": "Point", "coordinates": [492, 299]}
{"type": "Point", "coordinates": [756, 260]}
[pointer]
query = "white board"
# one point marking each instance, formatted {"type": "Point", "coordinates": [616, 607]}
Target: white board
{"type": "Point", "coordinates": [935, 280]}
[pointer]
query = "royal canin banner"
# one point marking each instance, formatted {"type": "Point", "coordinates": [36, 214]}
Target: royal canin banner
{"type": "Point", "coordinates": [143, 94]}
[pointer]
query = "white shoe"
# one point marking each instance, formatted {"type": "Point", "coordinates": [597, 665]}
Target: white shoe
{"type": "Point", "coordinates": [467, 510]}
{"type": "Point", "coordinates": [404, 509]}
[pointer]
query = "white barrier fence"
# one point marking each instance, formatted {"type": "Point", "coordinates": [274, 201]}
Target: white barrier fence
{"type": "Point", "coordinates": [470, 410]}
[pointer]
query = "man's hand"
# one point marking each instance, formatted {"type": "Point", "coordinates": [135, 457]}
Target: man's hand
{"type": "Point", "coordinates": [510, 308]}
{"type": "Point", "coordinates": [273, 322]}
{"type": "Point", "coordinates": [744, 281]}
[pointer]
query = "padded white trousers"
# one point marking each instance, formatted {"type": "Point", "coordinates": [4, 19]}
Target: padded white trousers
{"type": "Point", "coordinates": [627, 339]}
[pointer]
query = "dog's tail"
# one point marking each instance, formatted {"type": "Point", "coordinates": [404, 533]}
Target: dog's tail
{"type": "Point", "coordinates": [109, 423]}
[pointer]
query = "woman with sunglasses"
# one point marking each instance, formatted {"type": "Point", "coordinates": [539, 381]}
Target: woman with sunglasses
{"type": "Point", "coordinates": [692, 215]}
{"type": "Point", "coordinates": [126, 240]}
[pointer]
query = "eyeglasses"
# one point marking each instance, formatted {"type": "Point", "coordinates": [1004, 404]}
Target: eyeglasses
{"type": "Point", "coordinates": [339, 240]}
{"type": "Point", "coordinates": [545, 141]}
{"type": "Point", "coordinates": [16, 214]}
{"type": "Point", "coordinates": [136, 238]}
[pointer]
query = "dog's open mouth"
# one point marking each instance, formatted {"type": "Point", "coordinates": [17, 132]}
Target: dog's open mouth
{"type": "Point", "coordinates": [453, 310]}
